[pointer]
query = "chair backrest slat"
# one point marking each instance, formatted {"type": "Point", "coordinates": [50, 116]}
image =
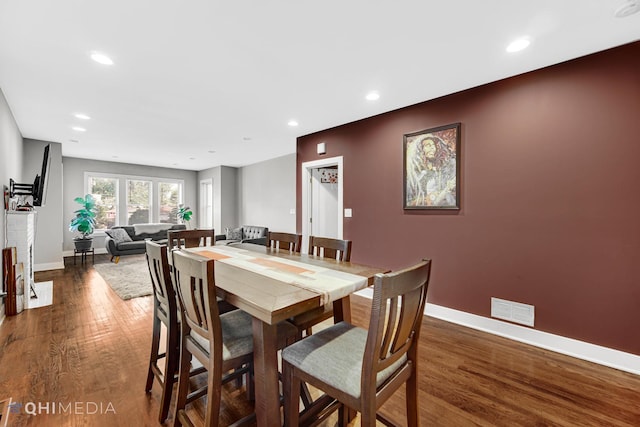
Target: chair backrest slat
{"type": "Point", "coordinates": [330, 248]}
{"type": "Point", "coordinates": [284, 241]}
{"type": "Point", "coordinates": [396, 316]}
{"type": "Point", "coordinates": [163, 289]}
{"type": "Point", "coordinates": [178, 239]}
{"type": "Point", "coordinates": [194, 281]}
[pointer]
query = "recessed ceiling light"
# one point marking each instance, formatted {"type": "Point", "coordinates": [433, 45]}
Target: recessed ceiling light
{"type": "Point", "coordinates": [75, 141]}
{"type": "Point", "coordinates": [518, 45]}
{"type": "Point", "coordinates": [629, 8]}
{"type": "Point", "coordinates": [78, 129]}
{"type": "Point", "coordinates": [81, 116]}
{"type": "Point", "coordinates": [292, 123]}
{"type": "Point", "coordinates": [246, 138]}
{"type": "Point", "coordinates": [101, 58]}
{"type": "Point", "coordinates": [372, 96]}
{"type": "Point", "coordinates": [114, 157]}
{"type": "Point", "coordinates": [211, 151]}
{"type": "Point", "coordinates": [192, 158]}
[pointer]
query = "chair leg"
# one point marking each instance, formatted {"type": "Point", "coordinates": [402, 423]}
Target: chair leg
{"type": "Point", "coordinates": [183, 383]}
{"type": "Point", "coordinates": [251, 389]}
{"type": "Point", "coordinates": [412, 399]}
{"type": "Point", "coordinates": [305, 395]}
{"type": "Point", "coordinates": [214, 394]}
{"type": "Point", "coordinates": [291, 400]}
{"type": "Point", "coordinates": [170, 369]}
{"type": "Point", "coordinates": [153, 357]}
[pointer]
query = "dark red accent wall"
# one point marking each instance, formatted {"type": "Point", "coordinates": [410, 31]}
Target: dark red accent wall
{"type": "Point", "coordinates": [550, 199]}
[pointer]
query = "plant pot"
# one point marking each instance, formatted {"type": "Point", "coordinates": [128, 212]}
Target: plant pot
{"type": "Point", "coordinates": [83, 244]}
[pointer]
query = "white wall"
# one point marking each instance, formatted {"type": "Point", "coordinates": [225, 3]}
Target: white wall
{"type": "Point", "coordinates": [73, 177]}
{"type": "Point", "coordinates": [10, 163]}
{"type": "Point", "coordinates": [267, 194]}
{"type": "Point", "coordinates": [48, 244]}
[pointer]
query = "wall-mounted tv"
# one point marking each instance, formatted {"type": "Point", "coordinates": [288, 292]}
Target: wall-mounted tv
{"type": "Point", "coordinates": [38, 190]}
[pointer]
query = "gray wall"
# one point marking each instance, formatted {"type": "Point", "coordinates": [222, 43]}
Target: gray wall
{"type": "Point", "coordinates": [225, 199]}
{"type": "Point", "coordinates": [10, 162]}
{"type": "Point", "coordinates": [48, 244]}
{"type": "Point", "coordinates": [74, 186]}
{"type": "Point", "coordinates": [267, 193]}
{"type": "Point", "coordinates": [260, 194]}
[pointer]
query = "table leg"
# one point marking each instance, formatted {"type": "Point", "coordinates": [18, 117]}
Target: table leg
{"type": "Point", "coordinates": [265, 361]}
{"type": "Point", "coordinates": [342, 310]}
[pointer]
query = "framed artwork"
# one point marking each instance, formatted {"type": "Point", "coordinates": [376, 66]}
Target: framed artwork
{"type": "Point", "coordinates": [432, 168]}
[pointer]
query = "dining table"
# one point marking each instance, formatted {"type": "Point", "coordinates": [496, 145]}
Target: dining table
{"type": "Point", "coordinates": [273, 285]}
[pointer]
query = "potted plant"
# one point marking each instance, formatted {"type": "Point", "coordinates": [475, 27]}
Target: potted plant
{"type": "Point", "coordinates": [184, 214]}
{"type": "Point", "coordinates": [84, 222]}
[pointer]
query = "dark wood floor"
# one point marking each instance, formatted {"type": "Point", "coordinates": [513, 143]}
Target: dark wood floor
{"type": "Point", "coordinates": [90, 349]}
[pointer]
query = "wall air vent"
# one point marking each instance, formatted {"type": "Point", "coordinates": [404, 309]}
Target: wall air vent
{"type": "Point", "coordinates": [516, 312]}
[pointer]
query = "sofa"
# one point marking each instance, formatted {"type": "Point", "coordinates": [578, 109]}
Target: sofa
{"type": "Point", "coordinates": [130, 239]}
{"type": "Point", "coordinates": [244, 234]}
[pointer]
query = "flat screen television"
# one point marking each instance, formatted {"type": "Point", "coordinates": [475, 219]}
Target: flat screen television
{"type": "Point", "coordinates": [38, 190]}
{"type": "Point", "coordinates": [41, 182]}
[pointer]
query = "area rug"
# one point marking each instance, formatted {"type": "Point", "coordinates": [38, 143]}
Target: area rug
{"type": "Point", "coordinates": [129, 278]}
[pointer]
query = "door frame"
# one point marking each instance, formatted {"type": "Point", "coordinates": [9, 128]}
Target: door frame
{"type": "Point", "coordinates": [306, 177]}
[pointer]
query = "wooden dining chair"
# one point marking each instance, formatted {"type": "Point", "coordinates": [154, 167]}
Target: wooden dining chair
{"type": "Point", "coordinates": [177, 239]}
{"type": "Point", "coordinates": [324, 247]}
{"type": "Point", "coordinates": [361, 369]}
{"type": "Point", "coordinates": [330, 248]}
{"type": "Point", "coordinates": [284, 241]}
{"type": "Point", "coordinates": [165, 311]}
{"type": "Point", "coordinates": [223, 343]}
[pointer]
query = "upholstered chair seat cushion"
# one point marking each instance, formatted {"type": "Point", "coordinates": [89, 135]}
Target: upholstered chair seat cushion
{"type": "Point", "coordinates": [237, 338]}
{"type": "Point", "coordinates": [334, 355]}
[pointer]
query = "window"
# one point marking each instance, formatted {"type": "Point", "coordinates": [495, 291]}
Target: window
{"type": "Point", "coordinates": [170, 198]}
{"type": "Point", "coordinates": [105, 191]}
{"type": "Point", "coordinates": [123, 199]}
{"type": "Point", "coordinates": [138, 201]}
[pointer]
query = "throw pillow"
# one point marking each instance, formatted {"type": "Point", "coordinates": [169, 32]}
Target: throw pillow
{"type": "Point", "coordinates": [233, 233]}
{"type": "Point", "coordinates": [119, 235]}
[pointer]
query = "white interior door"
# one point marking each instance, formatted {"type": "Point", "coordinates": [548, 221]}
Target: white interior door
{"type": "Point", "coordinates": [324, 205]}
{"type": "Point", "coordinates": [206, 203]}
{"type": "Point", "coordinates": [327, 210]}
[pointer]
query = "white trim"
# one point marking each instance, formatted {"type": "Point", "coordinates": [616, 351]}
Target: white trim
{"type": "Point", "coordinates": [49, 266]}
{"type": "Point", "coordinates": [579, 349]}
{"type": "Point", "coordinates": [306, 191]}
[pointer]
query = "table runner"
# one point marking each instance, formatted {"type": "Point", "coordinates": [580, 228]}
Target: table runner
{"type": "Point", "coordinates": [330, 284]}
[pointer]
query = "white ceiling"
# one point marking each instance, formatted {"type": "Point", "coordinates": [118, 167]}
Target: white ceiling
{"type": "Point", "coordinates": [200, 75]}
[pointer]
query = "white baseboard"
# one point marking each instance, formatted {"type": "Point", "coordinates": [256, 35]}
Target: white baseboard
{"type": "Point", "coordinates": [579, 349]}
{"type": "Point", "coordinates": [48, 266]}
